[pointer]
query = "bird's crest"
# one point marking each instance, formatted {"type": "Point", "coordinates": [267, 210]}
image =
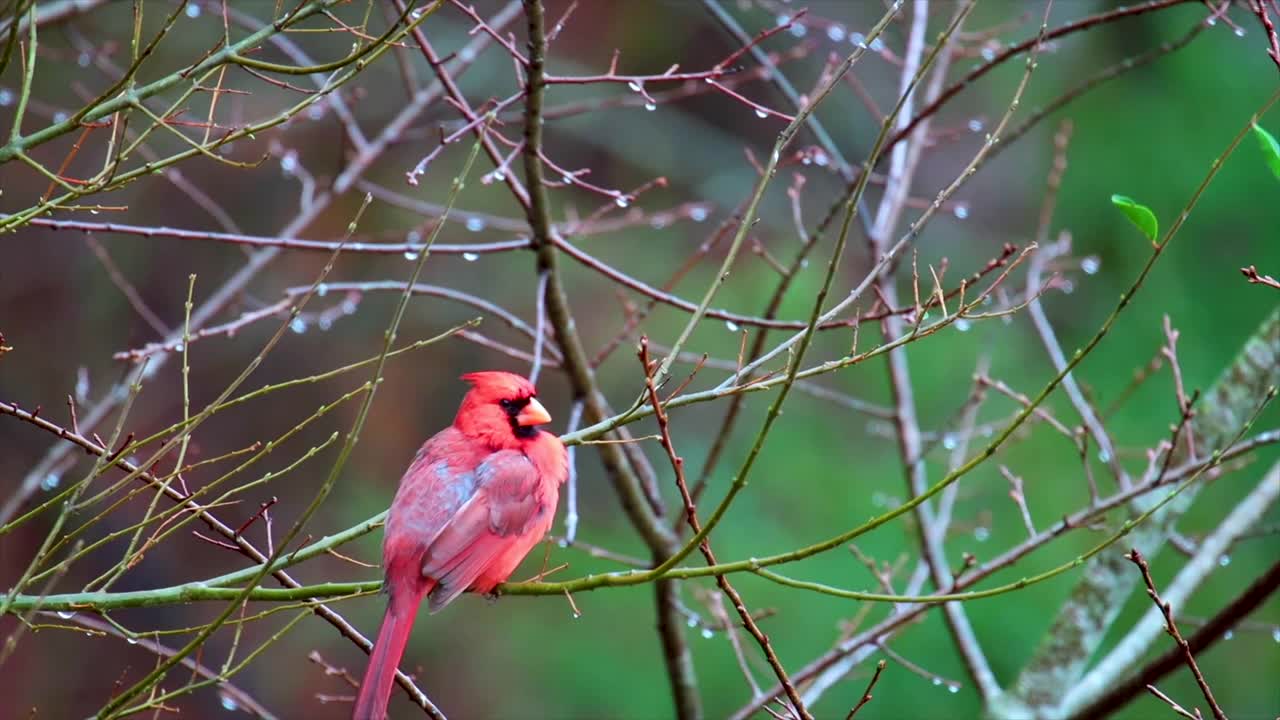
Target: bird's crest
{"type": "Point", "coordinates": [496, 383]}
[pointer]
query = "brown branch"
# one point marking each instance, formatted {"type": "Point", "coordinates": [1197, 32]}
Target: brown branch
{"type": "Point", "coordinates": [1259, 8]}
{"type": "Point", "coordinates": [691, 516]}
{"type": "Point", "coordinates": [1019, 48]}
{"type": "Point", "coordinates": [1251, 274]}
{"type": "Point", "coordinates": [245, 547]}
{"type": "Point", "coordinates": [230, 691]}
{"type": "Point", "coordinates": [645, 516]}
{"type": "Point", "coordinates": [1081, 519]}
{"type": "Point", "coordinates": [1212, 632]}
{"type": "Point", "coordinates": [1187, 655]}
{"type": "Point", "coordinates": [280, 242]}
{"type": "Point", "coordinates": [866, 694]}
{"type": "Point", "coordinates": [256, 263]}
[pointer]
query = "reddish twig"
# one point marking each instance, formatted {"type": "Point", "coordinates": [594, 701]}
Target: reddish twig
{"type": "Point", "coordinates": [1172, 628]}
{"type": "Point", "coordinates": [266, 505]}
{"type": "Point", "coordinates": [1019, 48]}
{"type": "Point", "coordinates": [226, 688]}
{"type": "Point", "coordinates": [866, 694]}
{"type": "Point", "coordinates": [1212, 632]}
{"type": "Point", "coordinates": [1251, 274]}
{"type": "Point", "coordinates": [1259, 8]}
{"type": "Point", "coordinates": [691, 516]}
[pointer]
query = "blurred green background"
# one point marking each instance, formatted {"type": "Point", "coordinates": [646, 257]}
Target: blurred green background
{"type": "Point", "coordinates": [1152, 134]}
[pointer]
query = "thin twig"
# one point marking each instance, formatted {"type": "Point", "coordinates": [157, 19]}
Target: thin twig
{"type": "Point", "coordinates": [691, 516]}
{"type": "Point", "coordinates": [866, 694]}
{"type": "Point", "coordinates": [1189, 657]}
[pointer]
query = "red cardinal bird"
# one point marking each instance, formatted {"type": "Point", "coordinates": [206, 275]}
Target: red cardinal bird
{"type": "Point", "coordinates": [477, 498]}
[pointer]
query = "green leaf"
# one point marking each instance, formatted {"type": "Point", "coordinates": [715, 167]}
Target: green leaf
{"type": "Point", "coordinates": [1270, 149]}
{"type": "Point", "coordinates": [1140, 215]}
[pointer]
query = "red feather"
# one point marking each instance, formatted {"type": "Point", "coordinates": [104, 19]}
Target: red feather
{"type": "Point", "coordinates": [476, 499]}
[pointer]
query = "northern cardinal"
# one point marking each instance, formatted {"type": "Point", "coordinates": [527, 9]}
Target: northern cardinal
{"type": "Point", "coordinates": [476, 499]}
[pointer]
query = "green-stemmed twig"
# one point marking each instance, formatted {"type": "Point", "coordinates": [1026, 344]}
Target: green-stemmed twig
{"type": "Point", "coordinates": [1080, 624]}
{"type": "Point", "coordinates": [28, 75]}
{"type": "Point", "coordinates": [126, 561]}
{"type": "Point", "coordinates": [68, 506]}
{"type": "Point", "coordinates": [795, 358]}
{"type": "Point", "coordinates": [117, 704]}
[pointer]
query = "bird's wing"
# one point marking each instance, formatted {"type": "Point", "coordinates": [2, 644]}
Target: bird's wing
{"type": "Point", "coordinates": [506, 504]}
{"type": "Point", "coordinates": [438, 483]}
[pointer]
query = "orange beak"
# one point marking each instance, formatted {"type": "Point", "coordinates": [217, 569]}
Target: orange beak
{"type": "Point", "coordinates": [533, 414]}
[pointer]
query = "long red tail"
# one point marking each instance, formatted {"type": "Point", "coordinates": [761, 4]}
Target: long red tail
{"type": "Point", "coordinates": [375, 688]}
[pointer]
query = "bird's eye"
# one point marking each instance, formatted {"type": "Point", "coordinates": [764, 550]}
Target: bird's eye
{"type": "Point", "coordinates": [506, 404]}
